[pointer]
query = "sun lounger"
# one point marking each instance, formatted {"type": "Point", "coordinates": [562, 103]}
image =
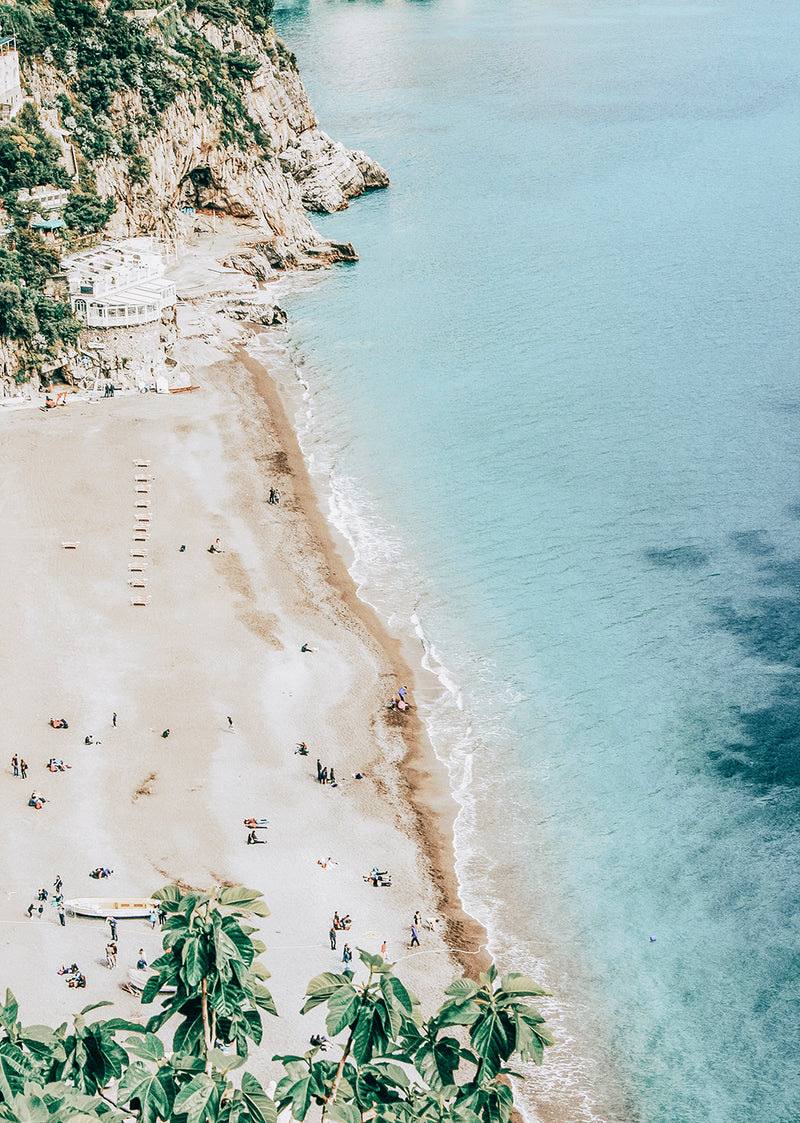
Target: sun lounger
{"type": "Point", "coordinates": [142, 479]}
{"type": "Point", "coordinates": [137, 567]}
{"type": "Point", "coordinates": [138, 582]}
{"type": "Point", "coordinates": [144, 517]}
{"type": "Point", "coordinates": [141, 463]}
{"type": "Point", "coordinates": [139, 552]}
{"type": "Point", "coordinates": [142, 489]}
{"type": "Point", "coordinates": [70, 545]}
{"type": "Point", "coordinates": [139, 601]}
{"type": "Point", "coordinates": [142, 503]}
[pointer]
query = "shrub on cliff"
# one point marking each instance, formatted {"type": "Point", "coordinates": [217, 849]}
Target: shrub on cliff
{"type": "Point", "coordinates": [28, 156]}
{"type": "Point", "coordinates": [392, 1066]}
{"type": "Point", "coordinates": [87, 212]}
{"type": "Point", "coordinates": [39, 323]}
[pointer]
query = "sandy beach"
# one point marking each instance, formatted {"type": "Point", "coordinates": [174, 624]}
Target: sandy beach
{"type": "Point", "coordinates": [217, 635]}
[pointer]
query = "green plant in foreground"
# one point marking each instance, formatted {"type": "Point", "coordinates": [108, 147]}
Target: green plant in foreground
{"type": "Point", "coordinates": [393, 1065]}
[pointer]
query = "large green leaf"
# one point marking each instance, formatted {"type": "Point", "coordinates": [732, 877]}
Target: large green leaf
{"type": "Point", "coordinates": [9, 1011]}
{"type": "Point", "coordinates": [195, 962]}
{"type": "Point", "coordinates": [188, 1036]}
{"type": "Point", "coordinates": [297, 1093]}
{"type": "Point", "coordinates": [460, 990]}
{"type": "Point", "coordinates": [150, 1088]}
{"type": "Point", "coordinates": [170, 897]}
{"type": "Point", "coordinates": [322, 987]}
{"type": "Point", "coordinates": [264, 1000]}
{"type": "Point", "coordinates": [490, 1040]}
{"type": "Point", "coordinates": [457, 1014]}
{"type": "Point", "coordinates": [343, 1007]}
{"type": "Point", "coordinates": [149, 1047]}
{"type": "Point", "coordinates": [341, 1112]}
{"type": "Point", "coordinates": [519, 986]}
{"type": "Point", "coordinates": [250, 900]}
{"type": "Point", "coordinates": [225, 998]}
{"type": "Point", "coordinates": [437, 1061]}
{"type": "Point", "coordinates": [262, 1109]}
{"type": "Point", "coordinates": [151, 989]}
{"type": "Point", "coordinates": [240, 940]}
{"type": "Point", "coordinates": [195, 1097]}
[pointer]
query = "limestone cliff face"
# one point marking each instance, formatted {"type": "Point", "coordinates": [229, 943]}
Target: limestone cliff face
{"type": "Point", "coordinates": [190, 165]}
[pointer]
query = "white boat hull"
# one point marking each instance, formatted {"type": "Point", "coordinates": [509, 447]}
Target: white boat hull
{"type": "Point", "coordinates": [118, 907]}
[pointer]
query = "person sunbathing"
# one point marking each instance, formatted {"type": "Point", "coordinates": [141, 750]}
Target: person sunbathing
{"type": "Point", "coordinates": [59, 723]}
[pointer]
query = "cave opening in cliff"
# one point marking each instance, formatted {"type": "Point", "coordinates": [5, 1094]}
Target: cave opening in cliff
{"type": "Point", "coordinates": [199, 188]}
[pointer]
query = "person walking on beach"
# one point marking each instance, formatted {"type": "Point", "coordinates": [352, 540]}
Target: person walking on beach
{"type": "Point", "coordinates": [141, 962]}
{"type": "Point", "coordinates": [347, 955]}
{"type": "Point", "coordinates": [332, 938]}
{"type": "Point", "coordinates": [23, 769]}
{"type": "Point", "coordinates": [331, 777]}
{"type": "Point", "coordinates": [62, 917]}
{"type": "Point", "coordinates": [414, 937]}
{"type": "Point", "coordinates": [114, 720]}
{"type": "Point", "coordinates": [58, 884]}
{"type": "Point", "coordinates": [15, 764]}
{"type": "Point", "coordinates": [230, 724]}
{"type": "Point", "coordinates": [111, 921]}
{"type": "Point", "coordinates": [319, 771]}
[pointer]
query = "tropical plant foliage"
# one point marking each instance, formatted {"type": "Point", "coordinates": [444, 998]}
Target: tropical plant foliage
{"type": "Point", "coordinates": [392, 1067]}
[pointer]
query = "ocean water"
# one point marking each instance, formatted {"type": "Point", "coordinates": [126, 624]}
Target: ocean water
{"type": "Point", "coordinates": [554, 408]}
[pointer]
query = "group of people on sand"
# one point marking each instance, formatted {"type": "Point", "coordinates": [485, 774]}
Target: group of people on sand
{"type": "Point", "coordinates": [73, 975]}
{"type": "Point", "coordinates": [338, 925]}
{"type": "Point", "coordinates": [378, 877]}
{"type": "Point", "coordinates": [326, 775]}
{"type": "Point", "coordinates": [398, 701]}
{"type": "Point", "coordinates": [274, 495]}
{"type": "Point", "coordinates": [54, 765]}
{"type": "Point", "coordinates": [57, 901]}
{"type": "Point", "coordinates": [19, 766]}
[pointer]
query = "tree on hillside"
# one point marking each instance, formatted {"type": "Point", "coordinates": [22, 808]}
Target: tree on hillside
{"type": "Point", "coordinates": [393, 1067]}
{"type": "Point", "coordinates": [87, 212]}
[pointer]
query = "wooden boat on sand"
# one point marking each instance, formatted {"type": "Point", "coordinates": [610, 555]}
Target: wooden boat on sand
{"type": "Point", "coordinates": [119, 907]}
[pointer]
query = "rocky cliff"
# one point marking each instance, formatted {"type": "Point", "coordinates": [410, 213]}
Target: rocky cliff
{"type": "Point", "coordinates": [285, 166]}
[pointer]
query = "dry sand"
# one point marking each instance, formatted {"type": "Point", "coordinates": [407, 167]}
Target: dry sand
{"type": "Point", "coordinates": [220, 635]}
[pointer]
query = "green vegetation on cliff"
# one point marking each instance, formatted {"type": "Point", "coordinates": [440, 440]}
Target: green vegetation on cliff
{"type": "Point", "coordinates": [101, 53]}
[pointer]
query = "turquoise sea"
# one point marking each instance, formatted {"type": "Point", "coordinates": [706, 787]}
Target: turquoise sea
{"type": "Point", "coordinates": [555, 409]}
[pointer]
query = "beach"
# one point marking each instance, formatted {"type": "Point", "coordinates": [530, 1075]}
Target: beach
{"type": "Point", "coordinates": [167, 635]}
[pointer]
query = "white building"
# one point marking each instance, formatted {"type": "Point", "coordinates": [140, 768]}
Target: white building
{"type": "Point", "coordinates": [50, 199]}
{"type": "Point", "coordinates": [11, 95]}
{"type": "Point", "coordinates": [118, 284]}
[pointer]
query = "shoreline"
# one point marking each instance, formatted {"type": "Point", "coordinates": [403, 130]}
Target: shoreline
{"type": "Point", "coordinates": [428, 791]}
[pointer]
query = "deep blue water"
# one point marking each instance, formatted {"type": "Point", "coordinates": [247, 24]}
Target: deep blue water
{"type": "Point", "coordinates": [556, 406]}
